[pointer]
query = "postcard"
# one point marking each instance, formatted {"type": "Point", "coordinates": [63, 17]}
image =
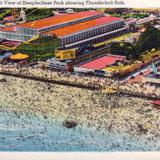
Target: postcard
{"type": "Point", "coordinates": [79, 79]}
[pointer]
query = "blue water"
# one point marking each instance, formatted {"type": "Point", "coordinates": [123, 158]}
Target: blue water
{"type": "Point", "coordinates": [35, 133]}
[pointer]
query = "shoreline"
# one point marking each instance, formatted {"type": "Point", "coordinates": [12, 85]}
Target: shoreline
{"type": "Point", "coordinates": [90, 109]}
{"type": "Point", "coordinates": [95, 140]}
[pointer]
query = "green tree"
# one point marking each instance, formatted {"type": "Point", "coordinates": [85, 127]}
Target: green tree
{"type": "Point", "coordinates": [125, 49]}
{"type": "Point", "coordinates": [149, 39]}
{"type": "Point", "coordinates": [40, 49]}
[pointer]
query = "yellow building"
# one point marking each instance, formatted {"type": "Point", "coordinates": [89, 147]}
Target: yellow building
{"type": "Point", "coordinates": [65, 54]}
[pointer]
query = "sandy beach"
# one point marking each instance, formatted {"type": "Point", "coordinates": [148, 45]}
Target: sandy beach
{"type": "Point", "coordinates": [128, 116]}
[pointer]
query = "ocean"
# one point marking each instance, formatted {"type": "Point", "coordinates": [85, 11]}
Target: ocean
{"type": "Point", "coordinates": [30, 132]}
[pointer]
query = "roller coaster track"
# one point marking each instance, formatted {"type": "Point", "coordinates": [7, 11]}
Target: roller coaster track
{"type": "Point", "coordinates": [7, 48]}
{"type": "Point", "coordinates": [3, 47]}
{"type": "Point", "coordinates": [32, 39]}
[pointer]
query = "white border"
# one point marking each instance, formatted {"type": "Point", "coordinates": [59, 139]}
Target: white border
{"type": "Point", "coordinates": [80, 156]}
{"type": "Point", "coordinates": [81, 3]}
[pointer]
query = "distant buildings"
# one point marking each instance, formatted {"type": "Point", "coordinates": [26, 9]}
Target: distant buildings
{"type": "Point", "coordinates": [155, 11]}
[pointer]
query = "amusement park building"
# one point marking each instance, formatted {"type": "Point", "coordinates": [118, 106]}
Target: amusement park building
{"type": "Point", "coordinates": [25, 31]}
{"type": "Point", "coordinates": [90, 32]}
{"type": "Point", "coordinates": [74, 30]}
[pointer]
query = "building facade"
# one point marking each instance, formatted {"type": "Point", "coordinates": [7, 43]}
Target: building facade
{"type": "Point", "coordinates": [74, 30]}
{"type": "Point", "coordinates": [95, 34]}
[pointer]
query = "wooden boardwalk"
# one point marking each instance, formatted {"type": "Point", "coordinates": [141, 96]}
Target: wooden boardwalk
{"type": "Point", "coordinates": [82, 86]}
{"type": "Point", "coordinates": [65, 83]}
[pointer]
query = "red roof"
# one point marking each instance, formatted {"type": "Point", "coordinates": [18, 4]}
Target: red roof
{"type": "Point", "coordinates": [158, 68]}
{"type": "Point", "coordinates": [9, 18]}
{"type": "Point", "coordinates": [157, 102]}
{"type": "Point", "coordinates": [15, 43]}
{"type": "Point", "coordinates": [82, 26]}
{"type": "Point", "coordinates": [148, 71]}
{"type": "Point", "coordinates": [58, 19]}
{"type": "Point", "coordinates": [136, 79]}
{"type": "Point", "coordinates": [101, 62]}
{"type": "Point", "coordinates": [8, 29]}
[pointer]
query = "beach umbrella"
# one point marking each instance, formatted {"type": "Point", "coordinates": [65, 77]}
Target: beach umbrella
{"type": "Point", "coordinates": [19, 56]}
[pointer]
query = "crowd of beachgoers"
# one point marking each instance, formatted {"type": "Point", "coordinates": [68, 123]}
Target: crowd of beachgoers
{"type": "Point", "coordinates": [91, 81]}
{"type": "Point", "coordinates": [116, 114]}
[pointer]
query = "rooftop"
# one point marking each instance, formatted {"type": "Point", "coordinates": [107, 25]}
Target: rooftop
{"type": "Point", "coordinates": [8, 18]}
{"type": "Point", "coordinates": [156, 102]}
{"type": "Point", "coordinates": [101, 62]}
{"type": "Point", "coordinates": [8, 29]}
{"type": "Point", "coordinates": [58, 19]}
{"type": "Point", "coordinates": [82, 26]}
